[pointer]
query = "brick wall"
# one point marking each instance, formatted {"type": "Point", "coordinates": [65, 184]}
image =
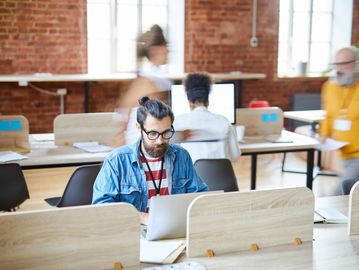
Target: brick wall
{"type": "Point", "coordinates": [50, 36]}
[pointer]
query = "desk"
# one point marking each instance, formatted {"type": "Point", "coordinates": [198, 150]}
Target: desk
{"type": "Point", "coordinates": [311, 117]}
{"type": "Point", "coordinates": [331, 248]}
{"type": "Point", "coordinates": [296, 143]}
{"type": "Point", "coordinates": [42, 156]}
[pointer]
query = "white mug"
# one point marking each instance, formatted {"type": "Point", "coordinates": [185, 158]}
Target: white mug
{"type": "Point", "coordinates": [240, 132]}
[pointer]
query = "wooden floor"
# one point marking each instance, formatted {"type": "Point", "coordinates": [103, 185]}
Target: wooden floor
{"type": "Point", "coordinates": [44, 183]}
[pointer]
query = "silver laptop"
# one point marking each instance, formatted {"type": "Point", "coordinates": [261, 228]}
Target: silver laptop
{"type": "Point", "coordinates": [168, 216]}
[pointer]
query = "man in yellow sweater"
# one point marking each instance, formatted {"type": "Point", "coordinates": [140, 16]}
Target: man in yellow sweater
{"type": "Point", "coordinates": [340, 100]}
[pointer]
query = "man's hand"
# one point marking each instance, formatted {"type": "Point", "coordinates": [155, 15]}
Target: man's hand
{"type": "Point", "coordinates": [144, 218]}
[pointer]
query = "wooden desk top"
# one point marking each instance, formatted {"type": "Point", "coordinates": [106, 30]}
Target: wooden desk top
{"type": "Point", "coordinates": [63, 155]}
{"type": "Point", "coordinates": [66, 155]}
{"type": "Point", "coordinates": [287, 141]}
{"type": "Point", "coordinates": [331, 248]}
{"type": "Point", "coordinates": [312, 116]}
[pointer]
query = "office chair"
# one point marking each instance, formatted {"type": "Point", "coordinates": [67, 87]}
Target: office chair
{"type": "Point", "coordinates": [217, 173]}
{"type": "Point", "coordinates": [13, 188]}
{"type": "Point", "coordinates": [78, 190]}
{"type": "Point", "coordinates": [347, 185]}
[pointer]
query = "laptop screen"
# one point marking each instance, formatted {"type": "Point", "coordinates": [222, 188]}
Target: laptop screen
{"type": "Point", "coordinates": [168, 215]}
{"type": "Point", "coordinates": [221, 100]}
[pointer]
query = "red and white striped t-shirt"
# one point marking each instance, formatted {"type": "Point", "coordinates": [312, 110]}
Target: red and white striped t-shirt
{"type": "Point", "coordinates": [155, 166]}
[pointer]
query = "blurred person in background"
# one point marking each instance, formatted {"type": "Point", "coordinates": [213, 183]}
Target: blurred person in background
{"type": "Point", "coordinates": [340, 100]}
{"type": "Point", "coordinates": [209, 135]}
{"type": "Point", "coordinates": [151, 47]}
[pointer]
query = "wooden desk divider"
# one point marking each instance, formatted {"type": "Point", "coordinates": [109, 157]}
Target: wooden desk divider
{"type": "Point", "coordinates": [236, 221]}
{"type": "Point", "coordinates": [14, 133]}
{"type": "Point", "coordinates": [81, 237]}
{"type": "Point", "coordinates": [260, 121]}
{"type": "Point", "coordinates": [85, 127]}
{"type": "Point", "coordinates": [353, 223]}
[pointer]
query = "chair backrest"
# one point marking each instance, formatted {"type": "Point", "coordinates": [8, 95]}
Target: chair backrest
{"type": "Point", "coordinates": [303, 102]}
{"type": "Point", "coordinates": [79, 189]}
{"type": "Point", "coordinates": [217, 173]}
{"type": "Point", "coordinates": [347, 185]}
{"type": "Point", "coordinates": [13, 188]}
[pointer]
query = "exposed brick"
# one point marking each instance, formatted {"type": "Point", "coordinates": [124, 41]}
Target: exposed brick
{"type": "Point", "coordinates": [48, 36]}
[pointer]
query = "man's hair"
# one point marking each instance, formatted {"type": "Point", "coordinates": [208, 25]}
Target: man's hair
{"type": "Point", "coordinates": [155, 108]}
{"type": "Point", "coordinates": [153, 37]}
{"type": "Point", "coordinates": [198, 86]}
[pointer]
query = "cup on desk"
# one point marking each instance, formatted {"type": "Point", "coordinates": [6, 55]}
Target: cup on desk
{"type": "Point", "coordinates": [240, 132]}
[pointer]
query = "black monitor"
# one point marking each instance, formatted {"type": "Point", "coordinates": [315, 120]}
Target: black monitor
{"type": "Point", "coordinates": [221, 100]}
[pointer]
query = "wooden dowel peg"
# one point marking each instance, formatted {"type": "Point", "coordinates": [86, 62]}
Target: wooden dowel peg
{"type": "Point", "coordinates": [118, 266]}
{"type": "Point", "coordinates": [254, 247]}
{"type": "Point", "coordinates": [210, 253]}
{"type": "Point", "coordinates": [297, 241]}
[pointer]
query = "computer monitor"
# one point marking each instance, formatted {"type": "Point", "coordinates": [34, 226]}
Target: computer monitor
{"type": "Point", "coordinates": [221, 100]}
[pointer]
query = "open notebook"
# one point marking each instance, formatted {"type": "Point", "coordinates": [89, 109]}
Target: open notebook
{"type": "Point", "coordinates": [329, 215]}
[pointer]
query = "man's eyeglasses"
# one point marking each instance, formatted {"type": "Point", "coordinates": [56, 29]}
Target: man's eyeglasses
{"type": "Point", "coordinates": [153, 135]}
{"type": "Point", "coordinates": [343, 63]}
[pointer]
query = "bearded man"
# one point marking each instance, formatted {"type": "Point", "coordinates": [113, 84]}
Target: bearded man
{"type": "Point", "coordinates": [340, 100]}
{"type": "Point", "coordinates": [151, 166]}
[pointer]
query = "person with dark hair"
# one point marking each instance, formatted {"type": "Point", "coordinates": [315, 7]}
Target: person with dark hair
{"type": "Point", "coordinates": [149, 167]}
{"type": "Point", "coordinates": [152, 51]}
{"type": "Point", "coordinates": [210, 135]}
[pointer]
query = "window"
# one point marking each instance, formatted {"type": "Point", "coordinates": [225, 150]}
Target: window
{"type": "Point", "coordinates": [310, 32]}
{"type": "Point", "coordinates": [113, 26]}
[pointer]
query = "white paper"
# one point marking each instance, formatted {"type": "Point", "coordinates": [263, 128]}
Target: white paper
{"type": "Point", "coordinates": [178, 266]}
{"type": "Point", "coordinates": [158, 251]}
{"type": "Point", "coordinates": [331, 145]}
{"type": "Point", "coordinates": [329, 215]}
{"type": "Point", "coordinates": [9, 156]}
{"type": "Point", "coordinates": [41, 137]}
{"type": "Point", "coordinates": [92, 147]}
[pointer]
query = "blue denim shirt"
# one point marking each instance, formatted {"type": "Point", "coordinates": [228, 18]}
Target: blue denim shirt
{"type": "Point", "coordinates": [122, 179]}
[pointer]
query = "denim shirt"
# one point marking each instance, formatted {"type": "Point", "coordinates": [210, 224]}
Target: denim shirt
{"type": "Point", "coordinates": [122, 179]}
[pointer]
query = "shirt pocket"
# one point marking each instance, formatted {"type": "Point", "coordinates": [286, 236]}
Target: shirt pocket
{"type": "Point", "coordinates": [180, 185]}
{"type": "Point", "coordinates": [131, 194]}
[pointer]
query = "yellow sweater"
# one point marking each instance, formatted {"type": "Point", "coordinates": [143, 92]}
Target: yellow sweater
{"type": "Point", "coordinates": [335, 100]}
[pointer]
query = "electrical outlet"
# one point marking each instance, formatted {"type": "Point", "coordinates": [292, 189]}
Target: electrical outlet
{"type": "Point", "coordinates": [62, 91]}
{"type": "Point", "coordinates": [23, 83]}
{"type": "Point", "coordinates": [253, 42]}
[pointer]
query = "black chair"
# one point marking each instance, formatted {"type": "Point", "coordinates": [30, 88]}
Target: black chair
{"type": "Point", "coordinates": [347, 185]}
{"type": "Point", "coordinates": [217, 173]}
{"type": "Point", "coordinates": [78, 190]}
{"type": "Point", "coordinates": [13, 188]}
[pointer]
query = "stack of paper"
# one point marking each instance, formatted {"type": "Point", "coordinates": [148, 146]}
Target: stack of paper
{"type": "Point", "coordinates": [161, 252]}
{"type": "Point", "coordinates": [10, 156]}
{"type": "Point", "coordinates": [178, 266]}
{"type": "Point", "coordinates": [92, 147]}
{"type": "Point", "coordinates": [331, 145]}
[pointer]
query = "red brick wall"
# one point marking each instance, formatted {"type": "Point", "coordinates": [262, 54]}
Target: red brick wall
{"type": "Point", "coordinates": [43, 36]}
{"type": "Point", "coordinates": [217, 40]}
{"type": "Point", "coordinates": [50, 36]}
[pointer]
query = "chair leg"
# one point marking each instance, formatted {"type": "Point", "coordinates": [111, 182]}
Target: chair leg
{"type": "Point", "coordinates": [283, 161]}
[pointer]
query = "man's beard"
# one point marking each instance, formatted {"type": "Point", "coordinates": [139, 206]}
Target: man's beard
{"type": "Point", "coordinates": [155, 151]}
{"type": "Point", "coordinates": [346, 79]}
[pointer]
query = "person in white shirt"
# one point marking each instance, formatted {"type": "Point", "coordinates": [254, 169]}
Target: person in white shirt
{"type": "Point", "coordinates": [151, 45]}
{"type": "Point", "coordinates": [208, 135]}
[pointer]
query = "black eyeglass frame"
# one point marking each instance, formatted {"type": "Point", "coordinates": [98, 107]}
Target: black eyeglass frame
{"type": "Point", "coordinates": [157, 134]}
{"type": "Point", "coordinates": [342, 63]}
